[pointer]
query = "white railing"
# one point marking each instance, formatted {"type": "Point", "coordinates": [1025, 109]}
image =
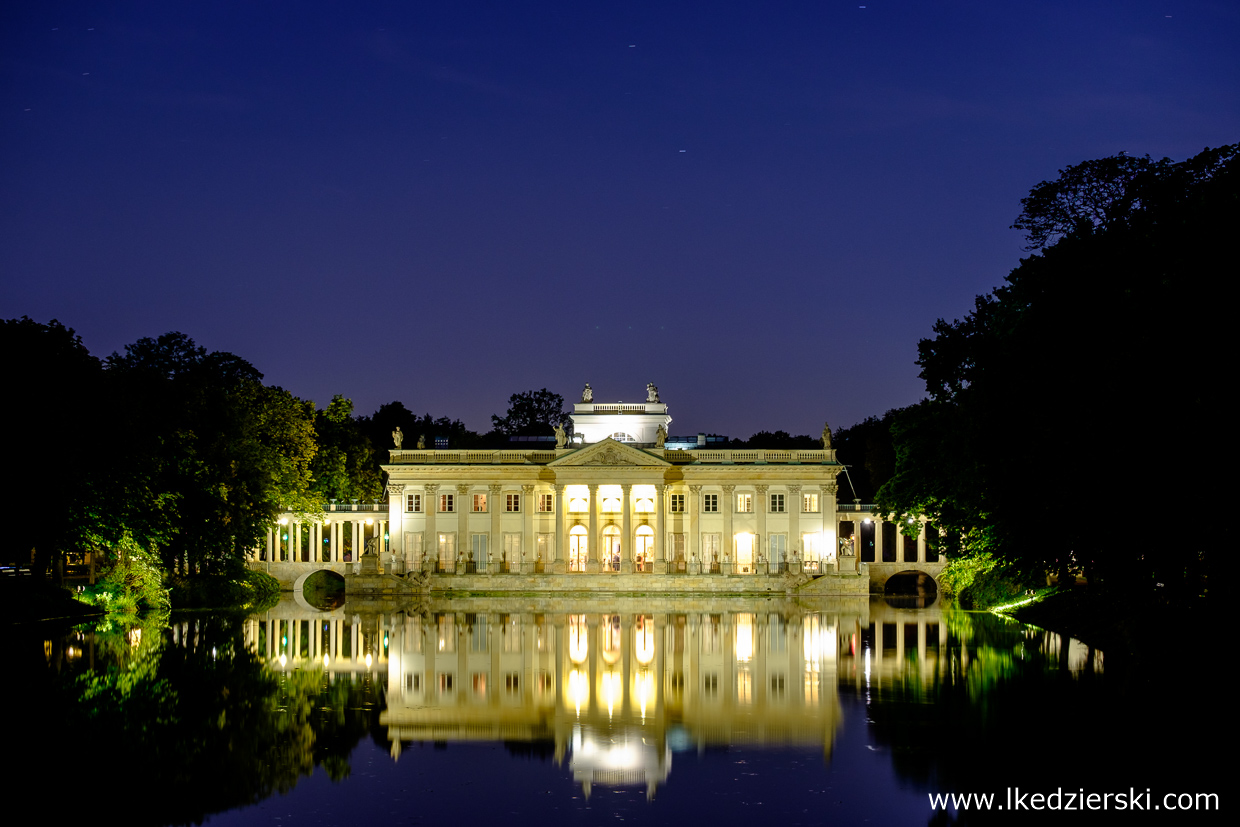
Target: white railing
{"type": "Point", "coordinates": [543, 456]}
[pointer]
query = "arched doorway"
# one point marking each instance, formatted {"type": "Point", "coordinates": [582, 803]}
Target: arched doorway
{"type": "Point", "coordinates": [611, 549]}
{"type": "Point", "coordinates": [578, 548]}
{"type": "Point", "coordinates": [643, 554]}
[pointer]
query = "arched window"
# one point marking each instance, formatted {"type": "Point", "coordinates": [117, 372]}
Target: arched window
{"type": "Point", "coordinates": [644, 505]}
{"type": "Point", "coordinates": [578, 505]}
{"type": "Point", "coordinates": [611, 505]}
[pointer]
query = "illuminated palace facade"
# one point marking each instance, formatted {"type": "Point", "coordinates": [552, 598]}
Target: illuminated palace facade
{"type": "Point", "coordinates": [618, 498]}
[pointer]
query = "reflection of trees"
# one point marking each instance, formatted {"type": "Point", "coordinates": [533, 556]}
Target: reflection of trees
{"type": "Point", "coordinates": [188, 728]}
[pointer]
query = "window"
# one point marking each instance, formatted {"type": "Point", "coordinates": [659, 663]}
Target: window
{"type": "Point", "coordinates": [578, 505]}
{"type": "Point", "coordinates": [543, 551]}
{"type": "Point", "coordinates": [413, 503]}
{"type": "Point", "coordinates": [546, 503]}
{"type": "Point", "coordinates": [478, 550]}
{"type": "Point", "coordinates": [778, 545]}
{"type": "Point", "coordinates": [611, 505]}
{"type": "Point", "coordinates": [480, 503]}
{"type": "Point", "coordinates": [512, 502]}
{"type": "Point", "coordinates": [620, 436]}
{"type": "Point", "coordinates": [710, 503]}
{"type": "Point", "coordinates": [644, 505]}
{"type": "Point", "coordinates": [447, 551]}
{"type": "Point", "coordinates": [744, 503]}
{"type": "Point", "coordinates": [446, 502]}
{"type": "Point", "coordinates": [809, 503]}
{"type": "Point", "coordinates": [777, 503]}
{"type": "Point", "coordinates": [677, 504]}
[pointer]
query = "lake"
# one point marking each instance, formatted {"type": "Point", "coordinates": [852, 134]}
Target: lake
{"type": "Point", "coordinates": [598, 709]}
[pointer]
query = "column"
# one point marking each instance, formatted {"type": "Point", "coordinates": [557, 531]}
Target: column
{"type": "Point", "coordinates": [270, 534]}
{"type": "Point", "coordinates": [333, 535]}
{"type": "Point", "coordinates": [760, 521]}
{"type": "Point", "coordinates": [921, 541]}
{"type": "Point", "coordinates": [528, 550]}
{"type": "Point", "coordinates": [295, 541]}
{"type": "Point", "coordinates": [660, 530]}
{"type": "Point", "coordinates": [496, 542]}
{"type": "Point", "coordinates": [396, 524]}
{"type": "Point", "coordinates": [830, 536]}
{"type": "Point", "coordinates": [694, 551]}
{"type": "Point", "coordinates": [430, 542]}
{"type": "Point", "coordinates": [878, 540]}
{"type": "Point", "coordinates": [462, 526]}
{"type": "Point", "coordinates": [729, 545]}
{"type": "Point", "coordinates": [794, 522]}
{"type": "Point", "coordinates": [626, 529]}
{"type": "Point", "coordinates": [593, 541]}
{"type": "Point", "coordinates": [559, 550]}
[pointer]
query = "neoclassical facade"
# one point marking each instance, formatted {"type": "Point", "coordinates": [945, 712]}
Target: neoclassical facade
{"type": "Point", "coordinates": [613, 502]}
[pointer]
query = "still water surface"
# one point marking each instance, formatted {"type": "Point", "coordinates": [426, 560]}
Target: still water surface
{"type": "Point", "coordinates": [726, 711]}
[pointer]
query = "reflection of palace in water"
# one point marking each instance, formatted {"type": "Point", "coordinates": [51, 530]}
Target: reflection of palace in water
{"type": "Point", "coordinates": [617, 685]}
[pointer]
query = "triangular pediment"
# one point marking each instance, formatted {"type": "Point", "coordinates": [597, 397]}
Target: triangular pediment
{"type": "Point", "coordinates": [609, 453]}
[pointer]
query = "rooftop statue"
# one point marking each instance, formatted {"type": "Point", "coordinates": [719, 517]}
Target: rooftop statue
{"type": "Point", "coordinates": [587, 395]}
{"type": "Point", "coordinates": [660, 437]}
{"type": "Point", "coordinates": [826, 437]}
{"type": "Point", "coordinates": [652, 392]}
{"type": "Point", "coordinates": [561, 438]}
{"type": "Point", "coordinates": [398, 437]}
{"type": "Point", "coordinates": [422, 442]}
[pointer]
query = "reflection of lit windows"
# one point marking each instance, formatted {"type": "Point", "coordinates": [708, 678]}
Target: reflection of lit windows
{"type": "Point", "coordinates": [643, 639]}
{"type": "Point", "coordinates": [744, 638]}
{"type": "Point", "coordinates": [710, 685]}
{"type": "Point", "coordinates": [546, 503]}
{"type": "Point", "coordinates": [479, 683]}
{"type": "Point", "coordinates": [744, 503]}
{"type": "Point", "coordinates": [512, 683]}
{"type": "Point", "coordinates": [710, 503]}
{"type": "Point", "coordinates": [777, 503]}
{"type": "Point", "coordinates": [545, 684]}
{"type": "Point", "coordinates": [677, 504]}
{"type": "Point", "coordinates": [447, 633]}
{"type": "Point", "coordinates": [445, 683]}
{"type": "Point", "coordinates": [480, 503]}
{"type": "Point", "coordinates": [413, 682]}
{"type": "Point", "coordinates": [744, 685]}
{"type": "Point", "coordinates": [809, 503]}
{"type": "Point", "coordinates": [678, 684]}
{"type": "Point", "coordinates": [578, 638]}
{"type": "Point", "coordinates": [612, 638]}
{"type": "Point", "coordinates": [777, 687]}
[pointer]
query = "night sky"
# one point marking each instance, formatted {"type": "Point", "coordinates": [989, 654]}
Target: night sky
{"type": "Point", "coordinates": [759, 207]}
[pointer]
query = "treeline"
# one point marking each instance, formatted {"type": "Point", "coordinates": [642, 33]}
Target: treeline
{"type": "Point", "coordinates": [181, 458]}
{"type": "Point", "coordinates": [1075, 419]}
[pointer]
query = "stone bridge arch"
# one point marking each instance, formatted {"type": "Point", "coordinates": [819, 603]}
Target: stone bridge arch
{"type": "Point", "coordinates": [880, 573]}
{"type": "Point", "coordinates": [299, 584]}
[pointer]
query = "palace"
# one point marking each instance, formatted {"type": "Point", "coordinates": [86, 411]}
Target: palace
{"type": "Point", "coordinates": [619, 506]}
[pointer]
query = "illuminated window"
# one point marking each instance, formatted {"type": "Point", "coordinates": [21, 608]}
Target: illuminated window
{"type": "Point", "coordinates": [644, 505]}
{"type": "Point", "coordinates": [480, 503]}
{"type": "Point", "coordinates": [809, 503]}
{"type": "Point", "coordinates": [677, 504]}
{"type": "Point", "coordinates": [611, 505]}
{"type": "Point", "coordinates": [447, 551]}
{"type": "Point", "coordinates": [744, 503]}
{"type": "Point", "coordinates": [777, 503]}
{"type": "Point", "coordinates": [546, 503]}
{"type": "Point", "coordinates": [620, 436]}
{"type": "Point", "coordinates": [413, 503]}
{"type": "Point", "coordinates": [578, 505]}
{"type": "Point", "coordinates": [710, 503]}
{"type": "Point", "coordinates": [512, 502]}
{"type": "Point", "coordinates": [446, 502]}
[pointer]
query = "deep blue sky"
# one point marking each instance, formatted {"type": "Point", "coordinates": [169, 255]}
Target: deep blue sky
{"type": "Point", "coordinates": [760, 207]}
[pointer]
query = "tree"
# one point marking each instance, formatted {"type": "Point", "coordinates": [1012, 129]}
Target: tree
{"type": "Point", "coordinates": [344, 466]}
{"type": "Point", "coordinates": [532, 413]}
{"type": "Point", "coordinates": [233, 451]}
{"type": "Point", "coordinates": [1040, 442]}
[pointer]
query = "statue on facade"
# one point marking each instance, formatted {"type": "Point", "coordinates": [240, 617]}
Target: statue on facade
{"type": "Point", "coordinates": [587, 394]}
{"type": "Point", "coordinates": [561, 437]}
{"type": "Point", "coordinates": [652, 392]}
{"type": "Point", "coordinates": [422, 442]}
{"type": "Point", "coordinates": [826, 437]}
{"type": "Point", "coordinates": [398, 437]}
{"type": "Point", "coordinates": [660, 437]}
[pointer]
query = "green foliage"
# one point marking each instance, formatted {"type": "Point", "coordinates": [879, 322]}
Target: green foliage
{"type": "Point", "coordinates": [133, 583]}
{"type": "Point", "coordinates": [1032, 395]}
{"type": "Point", "coordinates": [532, 413]}
{"type": "Point", "coordinates": [344, 467]}
{"type": "Point", "coordinates": [868, 451]}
